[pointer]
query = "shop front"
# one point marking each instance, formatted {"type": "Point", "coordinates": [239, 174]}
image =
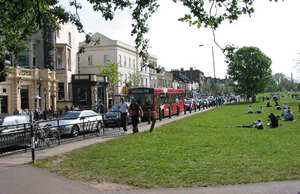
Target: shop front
{"type": "Point", "coordinates": [88, 90]}
{"type": "Point", "coordinates": [28, 89]}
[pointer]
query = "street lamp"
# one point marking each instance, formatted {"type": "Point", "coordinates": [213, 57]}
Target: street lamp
{"type": "Point", "coordinates": [214, 68]}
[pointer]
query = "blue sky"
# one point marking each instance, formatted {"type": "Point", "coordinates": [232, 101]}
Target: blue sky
{"type": "Point", "coordinates": [274, 28]}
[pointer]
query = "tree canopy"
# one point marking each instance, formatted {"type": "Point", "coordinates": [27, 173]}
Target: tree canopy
{"type": "Point", "coordinates": [250, 71]}
{"type": "Point", "coordinates": [21, 19]}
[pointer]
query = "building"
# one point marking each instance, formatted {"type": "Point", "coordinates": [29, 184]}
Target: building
{"type": "Point", "coordinates": [115, 51]}
{"type": "Point", "coordinates": [66, 52]}
{"type": "Point", "coordinates": [32, 84]}
{"type": "Point", "coordinates": [127, 58]}
{"type": "Point", "coordinates": [165, 79]}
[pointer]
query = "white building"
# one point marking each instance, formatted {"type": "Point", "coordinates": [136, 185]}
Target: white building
{"type": "Point", "coordinates": [118, 52]}
{"type": "Point", "coordinates": [66, 49]}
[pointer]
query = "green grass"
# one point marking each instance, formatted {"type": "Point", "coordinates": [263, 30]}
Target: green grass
{"type": "Point", "coordinates": [202, 150]}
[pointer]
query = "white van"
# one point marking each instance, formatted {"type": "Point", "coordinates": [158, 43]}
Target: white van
{"type": "Point", "coordinates": [14, 123]}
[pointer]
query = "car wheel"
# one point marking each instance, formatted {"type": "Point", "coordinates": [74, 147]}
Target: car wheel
{"type": "Point", "coordinates": [75, 131]}
{"type": "Point", "coordinates": [100, 129]}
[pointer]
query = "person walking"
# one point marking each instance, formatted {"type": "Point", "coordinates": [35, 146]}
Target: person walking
{"type": "Point", "coordinates": [135, 110]}
{"type": "Point", "coordinates": [123, 108]}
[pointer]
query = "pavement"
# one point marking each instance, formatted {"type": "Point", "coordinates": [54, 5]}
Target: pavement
{"type": "Point", "coordinates": [18, 178]}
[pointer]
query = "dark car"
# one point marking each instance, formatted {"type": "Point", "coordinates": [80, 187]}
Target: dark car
{"type": "Point", "coordinates": [113, 117]}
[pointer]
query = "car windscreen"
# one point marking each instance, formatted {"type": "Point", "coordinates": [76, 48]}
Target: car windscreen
{"type": "Point", "coordinates": [188, 102]}
{"type": "Point", "coordinates": [71, 115]}
{"type": "Point", "coordinates": [144, 100]}
{"type": "Point", "coordinates": [115, 108]}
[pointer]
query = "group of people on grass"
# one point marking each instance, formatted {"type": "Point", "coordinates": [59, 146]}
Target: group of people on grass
{"type": "Point", "coordinates": [287, 114]}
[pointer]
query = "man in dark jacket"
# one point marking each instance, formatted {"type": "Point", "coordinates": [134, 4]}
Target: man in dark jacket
{"type": "Point", "coordinates": [135, 111]}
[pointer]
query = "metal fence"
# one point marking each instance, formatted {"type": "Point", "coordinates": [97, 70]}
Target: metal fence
{"type": "Point", "coordinates": [40, 134]}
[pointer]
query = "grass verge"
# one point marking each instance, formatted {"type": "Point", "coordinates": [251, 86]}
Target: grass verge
{"type": "Point", "coordinates": [202, 150]}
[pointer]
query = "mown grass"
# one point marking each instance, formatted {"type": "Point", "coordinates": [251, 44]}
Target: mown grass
{"type": "Point", "coordinates": [202, 150]}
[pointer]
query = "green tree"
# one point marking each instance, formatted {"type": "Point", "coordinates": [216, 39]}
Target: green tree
{"type": "Point", "coordinates": [134, 80]}
{"type": "Point", "coordinates": [250, 71]}
{"type": "Point", "coordinates": [21, 19]}
{"type": "Point", "coordinates": [113, 76]}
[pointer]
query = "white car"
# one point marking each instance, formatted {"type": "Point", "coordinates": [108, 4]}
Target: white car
{"type": "Point", "coordinates": [14, 123]}
{"type": "Point", "coordinates": [75, 122]}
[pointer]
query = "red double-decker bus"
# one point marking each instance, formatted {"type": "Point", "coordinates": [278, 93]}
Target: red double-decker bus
{"type": "Point", "coordinates": [158, 102]}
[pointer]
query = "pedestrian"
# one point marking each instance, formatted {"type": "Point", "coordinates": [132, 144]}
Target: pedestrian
{"type": "Point", "coordinates": [123, 108]}
{"type": "Point", "coordinates": [135, 111]}
{"type": "Point", "coordinates": [16, 112]}
{"type": "Point", "coordinates": [100, 107]}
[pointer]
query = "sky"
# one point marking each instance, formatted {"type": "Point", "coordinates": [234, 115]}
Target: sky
{"type": "Point", "coordinates": [273, 28]}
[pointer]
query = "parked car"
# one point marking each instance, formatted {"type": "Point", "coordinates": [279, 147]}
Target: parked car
{"type": "Point", "coordinates": [189, 105]}
{"type": "Point", "coordinates": [75, 122]}
{"type": "Point", "coordinates": [113, 117]}
{"type": "Point", "coordinates": [14, 123]}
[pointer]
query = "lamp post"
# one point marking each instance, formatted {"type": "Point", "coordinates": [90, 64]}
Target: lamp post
{"type": "Point", "coordinates": [214, 68]}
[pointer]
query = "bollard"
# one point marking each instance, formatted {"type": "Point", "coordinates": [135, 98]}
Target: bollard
{"type": "Point", "coordinates": [32, 140]}
{"type": "Point", "coordinates": [170, 112]}
{"type": "Point", "coordinates": [149, 116]}
{"type": "Point", "coordinates": [190, 109]}
{"type": "Point", "coordinates": [153, 124]}
{"type": "Point", "coordinates": [160, 116]}
{"type": "Point", "coordinates": [184, 109]}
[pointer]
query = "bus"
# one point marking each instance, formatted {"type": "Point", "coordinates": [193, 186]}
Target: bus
{"type": "Point", "coordinates": [158, 103]}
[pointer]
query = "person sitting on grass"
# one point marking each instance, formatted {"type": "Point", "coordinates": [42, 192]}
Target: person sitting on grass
{"type": "Point", "coordinates": [284, 112]}
{"type": "Point", "coordinates": [268, 104]}
{"type": "Point", "coordinates": [274, 120]}
{"type": "Point", "coordinates": [250, 110]}
{"type": "Point", "coordinates": [261, 110]}
{"type": "Point", "coordinates": [290, 116]}
{"type": "Point", "coordinates": [277, 106]}
{"type": "Point", "coordinates": [257, 124]}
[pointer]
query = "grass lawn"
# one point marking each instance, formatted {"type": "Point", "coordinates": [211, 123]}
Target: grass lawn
{"type": "Point", "coordinates": [202, 150]}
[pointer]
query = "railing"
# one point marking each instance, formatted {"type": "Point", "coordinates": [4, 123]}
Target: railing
{"type": "Point", "coordinates": [40, 134]}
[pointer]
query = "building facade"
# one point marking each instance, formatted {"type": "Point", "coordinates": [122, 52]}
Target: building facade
{"type": "Point", "coordinates": [32, 84]}
{"type": "Point", "coordinates": [115, 51]}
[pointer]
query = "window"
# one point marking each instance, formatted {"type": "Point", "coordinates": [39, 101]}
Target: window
{"type": "Point", "coordinates": [90, 60]}
{"type": "Point", "coordinates": [129, 62]}
{"type": "Point", "coordinates": [70, 91]}
{"type": "Point", "coordinates": [61, 91]}
{"type": "Point", "coordinates": [125, 61]}
{"type": "Point", "coordinates": [106, 59]}
{"type": "Point", "coordinates": [57, 33]}
{"type": "Point", "coordinates": [70, 39]}
{"type": "Point", "coordinates": [4, 90]}
{"type": "Point", "coordinates": [120, 60]}
{"type": "Point", "coordinates": [134, 65]}
{"type": "Point", "coordinates": [59, 54]}
{"type": "Point", "coordinates": [34, 53]}
{"type": "Point", "coordinates": [69, 59]}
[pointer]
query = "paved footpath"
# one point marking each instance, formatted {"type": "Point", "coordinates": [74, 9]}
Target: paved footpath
{"type": "Point", "coordinates": [17, 178]}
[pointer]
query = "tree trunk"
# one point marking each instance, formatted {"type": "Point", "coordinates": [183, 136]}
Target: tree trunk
{"type": "Point", "coordinates": [253, 99]}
